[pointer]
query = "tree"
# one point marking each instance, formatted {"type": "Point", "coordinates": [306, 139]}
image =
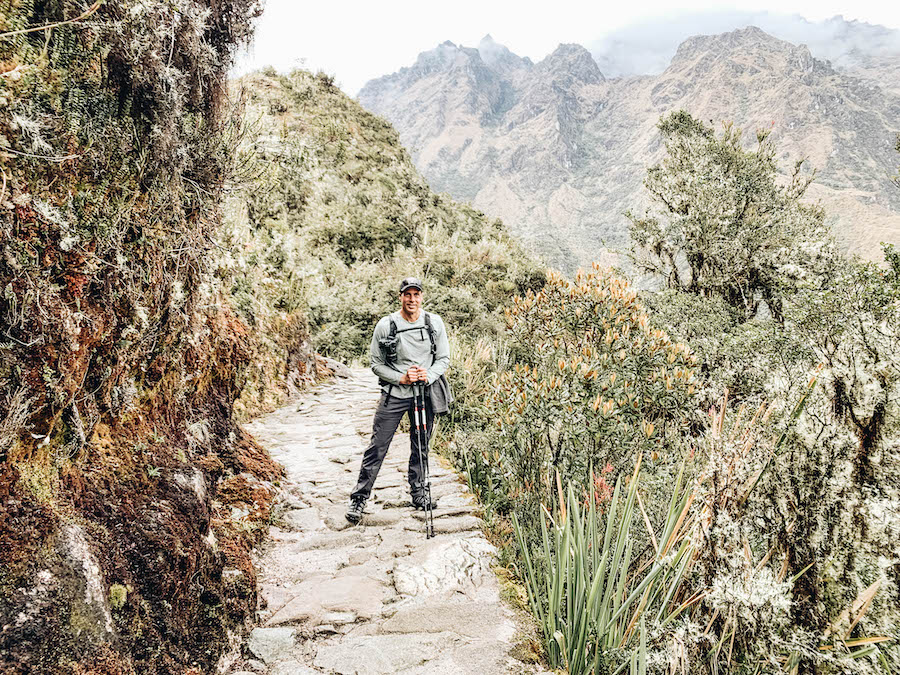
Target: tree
{"type": "Point", "coordinates": [721, 224]}
{"type": "Point", "coordinates": [850, 316]}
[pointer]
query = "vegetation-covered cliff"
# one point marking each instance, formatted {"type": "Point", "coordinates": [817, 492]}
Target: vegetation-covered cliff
{"type": "Point", "coordinates": [122, 474]}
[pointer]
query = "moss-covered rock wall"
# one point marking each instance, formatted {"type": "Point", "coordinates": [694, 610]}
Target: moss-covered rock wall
{"type": "Point", "coordinates": [128, 497]}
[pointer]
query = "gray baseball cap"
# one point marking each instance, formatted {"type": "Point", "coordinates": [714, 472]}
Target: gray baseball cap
{"type": "Point", "coordinates": [410, 282]}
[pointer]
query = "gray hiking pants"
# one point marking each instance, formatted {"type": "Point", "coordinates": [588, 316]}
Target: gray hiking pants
{"type": "Point", "coordinates": [390, 411]}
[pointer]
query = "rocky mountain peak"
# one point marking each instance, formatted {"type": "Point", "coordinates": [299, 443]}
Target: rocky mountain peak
{"type": "Point", "coordinates": [445, 56]}
{"type": "Point", "coordinates": [573, 61]}
{"type": "Point", "coordinates": [499, 57]}
{"type": "Point", "coordinates": [560, 152]}
{"type": "Point", "coordinates": [750, 37]}
{"type": "Point", "coordinates": [745, 45]}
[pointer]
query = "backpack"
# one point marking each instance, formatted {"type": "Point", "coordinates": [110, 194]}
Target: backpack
{"type": "Point", "coordinates": [392, 338]}
{"type": "Point", "coordinates": [441, 394]}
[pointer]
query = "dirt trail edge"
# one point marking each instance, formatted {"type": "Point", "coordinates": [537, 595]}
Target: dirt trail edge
{"type": "Point", "coordinates": [376, 597]}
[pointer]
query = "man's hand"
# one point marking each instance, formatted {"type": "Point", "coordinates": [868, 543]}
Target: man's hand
{"type": "Point", "coordinates": [414, 374]}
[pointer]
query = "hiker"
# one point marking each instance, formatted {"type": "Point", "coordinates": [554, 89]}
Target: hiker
{"type": "Point", "coordinates": [409, 348]}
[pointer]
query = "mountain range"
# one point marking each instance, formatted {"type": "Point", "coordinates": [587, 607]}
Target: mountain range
{"type": "Point", "coordinates": [869, 51]}
{"type": "Point", "coordinates": [559, 150]}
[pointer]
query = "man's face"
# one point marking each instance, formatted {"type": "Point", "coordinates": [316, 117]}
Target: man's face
{"type": "Point", "coordinates": [411, 301]}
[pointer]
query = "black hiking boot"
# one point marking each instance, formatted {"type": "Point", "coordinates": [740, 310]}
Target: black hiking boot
{"type": "Point", "coordinates": [418, 502]}
{"type": "Point", "coordinates": [355, 512]}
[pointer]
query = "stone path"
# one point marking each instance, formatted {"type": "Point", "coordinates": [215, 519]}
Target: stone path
{"type": "Point", "coordinates": [377, 597]}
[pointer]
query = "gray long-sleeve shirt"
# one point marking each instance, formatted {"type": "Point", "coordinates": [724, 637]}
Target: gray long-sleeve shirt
{"type": "Point", "coordinates": [413, 349]}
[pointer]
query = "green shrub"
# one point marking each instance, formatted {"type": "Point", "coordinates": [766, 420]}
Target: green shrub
{"type": "Point", "coordinates": [590, 381]}
{"type": "Point", "coordinates": [722, 223]}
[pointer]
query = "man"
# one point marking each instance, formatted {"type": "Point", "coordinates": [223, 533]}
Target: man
{"type": "Point", "coordinates": [422, 356]}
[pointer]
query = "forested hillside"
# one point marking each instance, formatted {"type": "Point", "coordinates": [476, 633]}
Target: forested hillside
{"type": "Point", "coordinates": [328, 214]}
{"type": "Point", "coordinates": [704, 479]}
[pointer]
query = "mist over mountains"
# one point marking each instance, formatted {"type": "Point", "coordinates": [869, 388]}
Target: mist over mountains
{"type": "Point", "coordinates": [559, 148]}
{"type": "Point", "coordinates": [646, 48]}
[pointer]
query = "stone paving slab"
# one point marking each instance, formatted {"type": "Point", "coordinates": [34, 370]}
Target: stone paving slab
{"type": "Point", "coordinates": [378, 597]}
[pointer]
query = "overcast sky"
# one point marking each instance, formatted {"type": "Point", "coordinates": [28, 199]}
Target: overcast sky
{"type": "Point", "coordinates": [357, 41]}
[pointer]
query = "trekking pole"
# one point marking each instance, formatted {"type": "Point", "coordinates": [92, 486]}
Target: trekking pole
{"type": "Point", "coordinates": [422, 430]}
{"type": "Point", "coordinates": [429, 502]}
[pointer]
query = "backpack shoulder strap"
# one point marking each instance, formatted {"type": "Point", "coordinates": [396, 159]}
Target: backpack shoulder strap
{"type": "Point", "coordinates": [392, 333]}
{"type": "Point", "coordinates": [431, 337]}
